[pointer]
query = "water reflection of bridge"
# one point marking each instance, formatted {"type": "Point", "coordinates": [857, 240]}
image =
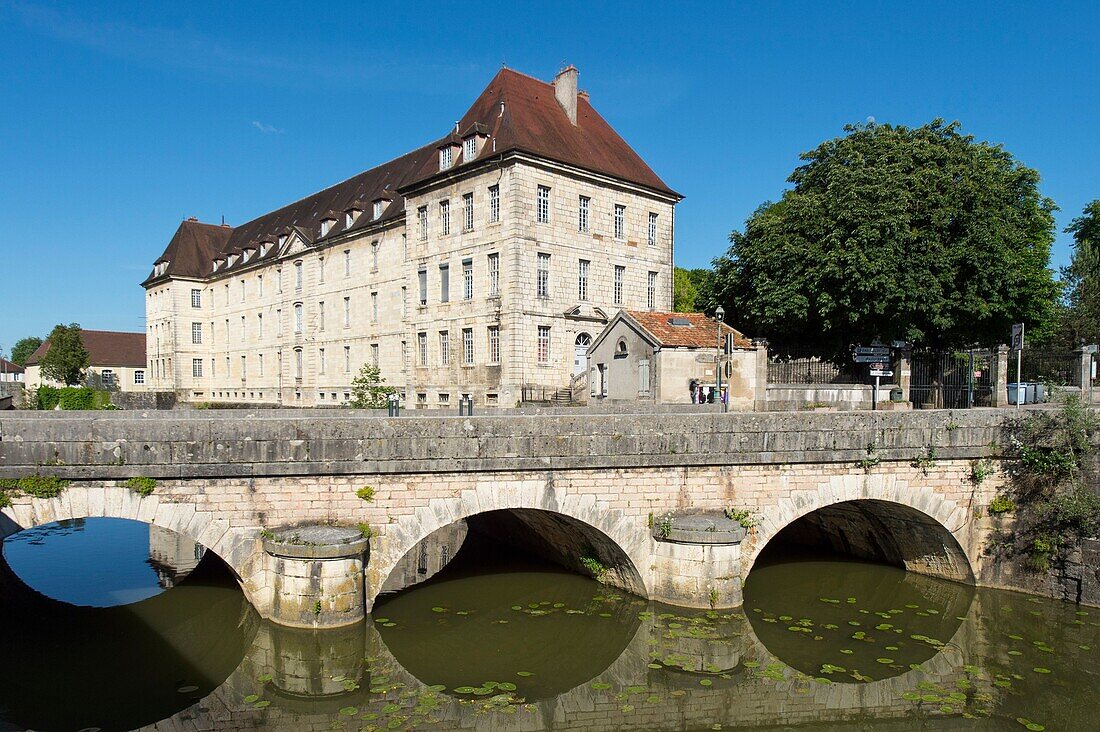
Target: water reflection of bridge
{"type": "Point", "coordinates": [304, 675]}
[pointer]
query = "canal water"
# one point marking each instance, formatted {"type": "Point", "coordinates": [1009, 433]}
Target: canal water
{"type": "Point", "coordinates": [505, 642]}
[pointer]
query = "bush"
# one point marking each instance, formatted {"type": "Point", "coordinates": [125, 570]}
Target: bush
{"type": "Point", "coordinates": [142, 485]}
{"type": "Point", "coordinates": [73, 398]}
{"type": "Point", "coordinates": [365, 530]}
{"type": "Point", "coordinates": [366, 493]}
{"type": "Point", "coordinates": [1002, 504]}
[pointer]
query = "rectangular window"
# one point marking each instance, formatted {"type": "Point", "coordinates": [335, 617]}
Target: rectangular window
{"type": "Point", "coordinates": [321, 269]}
{"type": "Point", "coordinates": [422, 276]}
{"type": "Point", "coordinates": [404, 302]}
{"type": "Point", "coordinates": [404, 247]}
{"type": "Point", "coordinates": [468, 212]}
{"type": "Point", "coordinates": [643, 377]}
{"type": "Point", "coordinates": [544, 344]}
{"type": "Point", "coordinates": [582, 279]}
{"type": "Point", "coordinates": [244, 367]}
{"type": "Point", "coordinates": [582, 213]}
{"type": "Point", "coordinates": [347, 312]}
{"type": "Point", "coordinates": [259, 325]}
{"type": "Point", "coordinates": [494, 275]}
{"type": "Point", "coordinates": [196, 333]}
{"type": "Point", "coordinates": [374, 255]}
{"type": "Point", "coordinates": [542, 282]}
{"type": "Point", "coordinates": [404, 354]}
{"type": "Point", "coordinates": [620, 220]}
{"type": "Point", "coordinates": [196, 368]}
{"type": "Point", "coordinates": [244, 338]}
{"type": "Point", "coordinates": [620, 273]}
{"type": "Point", "coordinates": [298, 275]}
{"type": "Point", "coordinates": [374, 307]}
{"type": "Point", "coordinates": [444, 348]}
{"type": "Point", "coordinates": [444, 283]}
{"type": "Point", "coordinates": [297, 363]}
{"type": "Point", "coordinates": [494, 204]}
{"type": "Point", "coordinates": [469, 149]}
{"type": "Point", "coordinates": [279, 321]}
{"type": "Point", "coordinates": [445, 216]}
{"type": "Point", "coordinates": [347, 359]}
{"type": "Point", "coordinates": [494, 344]}
{"type": "Point", "coordinates": [468, 346]}
{"type": "Point", "coordinates": [321, 315]}
{"type": "Point", "coordinates": [467, 280]}
{"type": "Point", "coordinates": [261, 364]}
{"type": "Point", "coordinates": [298, 317]}
{"type": "Point", "coordinates": [242, 291]}
{"type": "Point", "coordinates": [139, 376]}
{"type": "Point", "coordinates": [279, 280]}
{"type": "Point", "coordinates": [374, 354]}
{"type": "Point", "coordinates": [321, 360]}
{"type": "Point", "coordinates": [196, 298]}
{"type": "Point", "coordinates": [347, 263]}
{"type": "Point", "coordinates": [422, 222]}
{"type": "Point", "coordinates": [651, 291]}
{"type": "Point", "coordinates": [422, 348]}
{"type": "Point", "coordinates": [226, 293]}
{"type": "Point", "coordinates": [652, 238]}
{"type": "Point", "coordinates": [260, 285]}
{"type": "Point", "coordinates": [542, 205]}
{"type": "Point", "coordinates": [446, 159]}
{"type": "Point", "coordinates": [227, 339]}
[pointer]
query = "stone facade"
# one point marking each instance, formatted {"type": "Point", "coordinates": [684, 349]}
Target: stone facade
{"type": "Point", "coordinates": [446, 306]}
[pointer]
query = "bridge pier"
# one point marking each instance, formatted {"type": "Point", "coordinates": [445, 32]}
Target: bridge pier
{"type": "Point", "coordinates": [316, 575]}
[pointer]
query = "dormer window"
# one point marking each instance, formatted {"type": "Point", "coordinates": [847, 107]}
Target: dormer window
{"type": "Point", "coordinates": [264, 247]}
{"type": "Point", "coordinates": [248, 254]}
{"type": "Point", "coordinates": [446, 158]}
{"type": "Point", "coordinates": [232, 259]}
{"type": "Point", "coordinates": [326, 226]}
{"type": "Point", "coordinates": [282, 239]}
{"type": "Point", "coordinates": [218, 262]}
{"type": "Point", "coordinates": [160, 268]}
{"type": "Point", "coordinates": [469, 149]}
{"type": "Point", "coordinates": [379, 205]}
{"type": "Point", "coordinates": [349, 219]}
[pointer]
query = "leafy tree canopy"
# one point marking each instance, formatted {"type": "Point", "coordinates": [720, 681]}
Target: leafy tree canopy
{"type": "Point", "coordinates": [895, 233]}
{"type": "Point", "coordinates": [67, 359]}
{"type": "Point", "coordinates": [368, 389]}
{"type": "Point", "coordinates": [23, 349]}
{"type": "Point", "coordinates": [1082, 278]}
{"type": "Point", "coordinates": [684, 291]}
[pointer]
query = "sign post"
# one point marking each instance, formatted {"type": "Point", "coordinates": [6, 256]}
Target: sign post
{"type": "Point", "coordinates": [878, 357]}
{"type": "Point", "coordinates": [1018, 345]}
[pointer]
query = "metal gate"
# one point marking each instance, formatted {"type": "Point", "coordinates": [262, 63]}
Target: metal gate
{"type": "Point", "coordinates": [951, 379]}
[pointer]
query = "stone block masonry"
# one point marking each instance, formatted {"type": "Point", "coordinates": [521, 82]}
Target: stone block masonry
{"type": "Point", "coordinates": [221, 481]}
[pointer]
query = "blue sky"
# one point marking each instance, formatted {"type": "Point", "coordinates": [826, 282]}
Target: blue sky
{"type": "Point", "coordinates": [120, 119]}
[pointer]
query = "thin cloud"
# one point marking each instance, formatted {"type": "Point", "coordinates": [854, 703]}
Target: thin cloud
{"type": "Point", "coordinates": [267, 129]}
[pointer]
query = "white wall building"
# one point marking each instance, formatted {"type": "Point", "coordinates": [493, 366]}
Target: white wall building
{"type": "Point", "coordinates": [116, 361]}
{"type": "Point", "coordinates": [481, 264]}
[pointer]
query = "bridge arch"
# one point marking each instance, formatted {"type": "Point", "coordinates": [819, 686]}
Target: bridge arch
{"type": "Point", "coordinates": [613, 535]}
{"type": "Point", "coordinates": [236, 547]}
{"type": "Point", "coordinates": [914, 527]}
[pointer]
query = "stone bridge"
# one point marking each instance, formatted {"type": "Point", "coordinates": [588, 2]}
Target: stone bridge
{"type": "Point", "coordinates": [893, 486]}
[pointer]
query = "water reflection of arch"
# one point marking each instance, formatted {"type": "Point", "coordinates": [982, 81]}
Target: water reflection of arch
{"type": "Point", "coordinates": [124, 666]}
{"type": "Point", "coordinates": [234, 546]}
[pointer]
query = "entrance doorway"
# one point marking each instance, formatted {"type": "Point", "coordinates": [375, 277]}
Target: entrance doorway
{"type": "Point", "coordinates": [580, 353]}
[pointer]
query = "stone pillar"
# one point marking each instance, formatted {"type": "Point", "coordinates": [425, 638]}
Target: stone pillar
{"type": "Point", "coordinates": [903, 371]}
{"type": "Point", "coordinates": [1000, 376]}
{"type": "Point", "coordinates": [697, 561]}
{"type": "Point", "coordinates": [761, 346]}
{"type": "Point", "coordinates": [1086, 374]}
{"type": "Point", "coordinates": [317, 575]}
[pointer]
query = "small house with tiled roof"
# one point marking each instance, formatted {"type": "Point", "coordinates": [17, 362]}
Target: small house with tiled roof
{"type": "Point", "coordinates": [116, 361]}
{"type": "Point", "coordinates": [670, 358]}
{"type": "Point", "coordinates": [480, 264]}
{"type": "Point", "coordinates": [10, 371]}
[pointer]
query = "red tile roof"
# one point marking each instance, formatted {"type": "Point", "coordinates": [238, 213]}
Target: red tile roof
{"type": "Point", "coordinates": [105, 348]}
{"type": "Point", "coordinates": [699, 332]}
{"type": "Point", "coordinates": [532, 122]}
{"type": "Point", "coordinates": [9, 367]}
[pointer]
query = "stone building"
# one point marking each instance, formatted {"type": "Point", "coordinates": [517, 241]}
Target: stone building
{"type": "Point", "coordinates": [666, 358]}
{"type": "Point", "coordinates": [116, 361]}
{"type": "Point", "coordinates": [483, 264]}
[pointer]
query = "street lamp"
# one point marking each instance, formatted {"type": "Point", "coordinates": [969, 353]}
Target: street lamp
{"type": "Point", "coordinates": [719, 316]}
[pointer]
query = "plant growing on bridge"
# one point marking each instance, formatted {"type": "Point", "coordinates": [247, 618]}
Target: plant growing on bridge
{"type": "Point", "coordinates": [365, 529]}
{"type": "Point", "coordinates": [713, 597]}
{"type": "Point", "coordinates": [925, 461]}
{"type": "Point", "coordinates": [872, 458]}
{"type": "Point", "coordinates": [1001, 504]}
{"type": "Point", "coordinates": [980, 470]}
{"type": "Point", "coordinates": [664, 527]}
{"type": "Point", "coordinates": [593, 565]}
{"type": "Point", "coordinates": [366, 493]}
{"type": "Point", "coordinates": [5, 499]}
{"type": "Point", "coordinates": [142, 485]}
{"type": "Point", "coordinates": [37, 486]}
{"type": "Point", "coordinates": [744, 516]}
{"type": "Point", "coordinates": [1055, 481]}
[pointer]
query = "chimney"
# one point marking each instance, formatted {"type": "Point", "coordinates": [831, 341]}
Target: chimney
{"type": "Point", "coordinates": [565, 89]}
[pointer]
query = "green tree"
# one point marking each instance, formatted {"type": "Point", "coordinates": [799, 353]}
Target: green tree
{"type": "Point", "coordinates": [1081, 319]}
{"type": "Point", "coordinates": [895, 233]}
{"type": "Point", "coordinates": [703, 279]}
{"type": "Point", "coordinates": [23, 349]}
{"type": "Point", "coordinates": [684, 291]}
{"type": "Point", "coordinates": [368, 390]}
{"type": "Point", "coordinates": [67, 359]}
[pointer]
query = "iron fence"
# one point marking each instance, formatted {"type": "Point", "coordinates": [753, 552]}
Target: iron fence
{"type": "Point", "coordinates": [1050, 367]}
{"type": "Point", "coordinates": [809, 368]}
{"type": "Point", "coordinates": [951, 379]}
